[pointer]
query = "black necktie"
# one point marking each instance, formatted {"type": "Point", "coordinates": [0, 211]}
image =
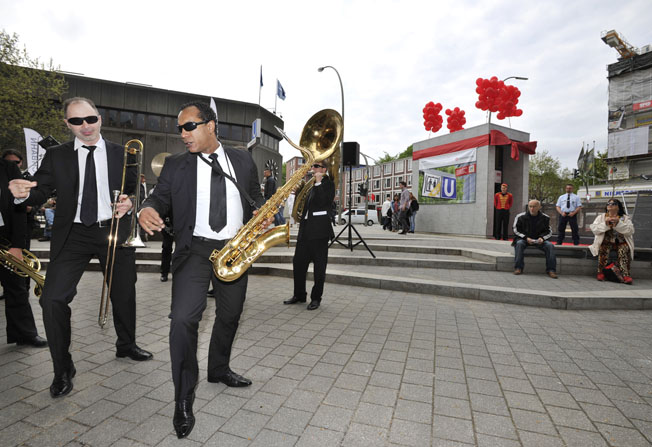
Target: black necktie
{"type": "Point", "coordinates": [217, 210]}
{"type": "Point", "coordinates": [88, 213]}
{"type": "Point", "coordinates": [568, 202]}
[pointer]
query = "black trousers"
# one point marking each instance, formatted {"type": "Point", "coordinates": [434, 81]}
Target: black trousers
{"type": "Point", "coordinates": [403, 218]}
{"type": "Point", "coordinates": [307, 251]}
{"type": "Point", "coordinates": [190, 280]}
{"type": "Point", "coordinates": [18, 311]}
{"type": "Point", "coordinates": [561, 229]}
{"type": "Point", "coordinates": [501, 224]}
{"type": "Point", "coordinates": [166, 252]}
{"type": "Point", "coordinates": [63, 275]}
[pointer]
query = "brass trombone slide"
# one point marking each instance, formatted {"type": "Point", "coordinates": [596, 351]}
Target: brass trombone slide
{"type": "Point", "coordinates": [132, 147]}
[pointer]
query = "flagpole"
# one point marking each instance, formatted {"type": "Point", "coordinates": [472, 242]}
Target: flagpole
{"type": "Point", "coordinates": [260, 89]}
{"type": "Point", "coordinates": [276, 97]}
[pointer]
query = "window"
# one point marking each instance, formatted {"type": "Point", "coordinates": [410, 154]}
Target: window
{"type": "Point", "coordinates": [154, 123]}
{"type": "Point", "coordinates": [376, 185]}
{"type": "Point", "coordinates": [409, 164]}
{"type": "Point", "coordinates": [397, 180]}
{"type": "Point", "coordinates": [388, 183]}
{"type": "Point", "coordinates": [358, 174]}
{"type": "Point", "coordinates": [140, 121]}
{"type": "Point", "coordinates": [113, 118]}
{"type": "Point", "coordinates": [398, 166]}
{"type": "Point", "coordinates": [127, 120]}
{"type": "Point", "coordinates": [409, 180]}
{"type": "Point", "coordinates": [387, 168]}
{"type": "Point", "coordinates": [376, 171]}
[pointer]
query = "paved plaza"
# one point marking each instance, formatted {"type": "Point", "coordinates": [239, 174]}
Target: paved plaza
{"type": "Point", "coordinates": [369, 368]}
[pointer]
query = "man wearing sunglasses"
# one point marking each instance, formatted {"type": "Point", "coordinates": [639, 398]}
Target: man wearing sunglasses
{"type": "Point", "coordinates": [208, 209]}
{"type": "Point", "coordinates": [315, 230]}
{"type": "Point", "coordinates": [83, 172]}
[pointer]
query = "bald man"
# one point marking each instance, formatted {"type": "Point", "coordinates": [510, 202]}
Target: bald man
{"type": "Point", "coordinates": [532, 229]}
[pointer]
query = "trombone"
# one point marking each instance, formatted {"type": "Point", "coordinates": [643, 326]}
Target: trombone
{"type": "Point", "coordinates": [132, 147]}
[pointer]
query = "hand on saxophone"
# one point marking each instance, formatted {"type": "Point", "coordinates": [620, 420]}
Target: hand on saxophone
{"type": "Point", "coordinates": [16, 253]}
{"type": "Point", "coordinates": [150, 221]}
{"type": "Point", "coordinates": [123, 206]}
{"type": "Point", "coordinates": [267, 222]}
{"type": "Point", "coordinates": [20, 188]}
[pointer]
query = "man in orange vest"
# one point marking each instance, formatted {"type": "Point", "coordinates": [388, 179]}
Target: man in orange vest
{"type": "Point", "coordinates": [502, 203]}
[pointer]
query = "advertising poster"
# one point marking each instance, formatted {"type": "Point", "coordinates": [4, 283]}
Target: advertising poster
{"type": "Point", "coordinates": [446, 179]}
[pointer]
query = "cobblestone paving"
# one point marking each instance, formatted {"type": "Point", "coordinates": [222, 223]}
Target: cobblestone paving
{"type": "Point", "coordinates": [369, 368]}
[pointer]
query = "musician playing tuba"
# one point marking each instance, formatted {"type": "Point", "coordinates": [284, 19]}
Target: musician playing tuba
{"type": "Point", "coordinates": [84, 173]}
{"type": "Point", "coordinates": [315, 231]}
{"type": "Point", "coordinates": [21, 328]}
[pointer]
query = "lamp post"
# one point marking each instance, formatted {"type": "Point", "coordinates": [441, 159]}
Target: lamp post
{"type": "Point", "coordinates": [521, 78]}
{"type": "Point", "coordinates": [339, 206]}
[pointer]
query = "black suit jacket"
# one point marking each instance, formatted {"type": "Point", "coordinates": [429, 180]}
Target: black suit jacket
{"type": "Point", "coordinates": [270, 187]}
{"type": "Point", "coordinates": [59, 171]}
{"type": "Point", "coordinates": [320, 200]}
{"type": "Point", "coordinates": [177, 190]}
{"type": "Point", "coordinates": [13, 216]}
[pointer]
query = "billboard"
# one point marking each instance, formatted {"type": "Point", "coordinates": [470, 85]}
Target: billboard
{"type": "Point", "coordinates": [448, 178]}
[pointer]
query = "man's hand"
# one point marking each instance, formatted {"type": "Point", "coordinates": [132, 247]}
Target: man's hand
{"type": "Point", "coordinates": [16, 253]}
{"type": "Point", "coordinates": [150, 221]}
{"type": "Point", "coordinates": [540, 241]}
{"type": "Point", "coordinates": [530, 241]}
{"type": "Point", "coordinates": [318, 176]}
{"type": "Point", "coordinates": [123, 206]}
{"type": "Point", "coordinates": [20, 188]}
{"type": "Point", "coordinates": [266, 223]}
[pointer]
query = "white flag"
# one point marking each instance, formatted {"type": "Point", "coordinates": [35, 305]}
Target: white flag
{"type": "Point", "coordinates": [35, 152]}
{"type": "Point", "coordinates": [214, 107]}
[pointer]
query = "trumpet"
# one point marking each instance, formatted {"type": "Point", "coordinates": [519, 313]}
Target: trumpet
{"type": "Point", "coordinates": [132, 147]}
{"type": "Point", "coordinates": [29, 266]}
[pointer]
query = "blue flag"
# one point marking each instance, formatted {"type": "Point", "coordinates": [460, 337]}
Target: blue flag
{"type": "Point", "coordinates": [261, 75]}
{"type": "Point", "coordinates": [279, 90]}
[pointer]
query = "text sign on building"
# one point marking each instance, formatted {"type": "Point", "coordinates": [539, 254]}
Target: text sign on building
{"type": "Point", "coordinates": [448, 188]}
{"type": "Point", "coordinates": [642, 105]}
{"type": "Point", "coordinates": [465, 170]}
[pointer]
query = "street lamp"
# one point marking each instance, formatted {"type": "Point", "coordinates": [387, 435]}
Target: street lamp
{"type": "Point", "coordinates": [339, 206]}
{"type": "Point", "coordinates": [520, 78]}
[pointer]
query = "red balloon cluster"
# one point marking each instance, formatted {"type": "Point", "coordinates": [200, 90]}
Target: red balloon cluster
{"type": "Point", "coordinates": [432, 119]}
{"type": "Point", "coordinates": [455, 120]}
{"type": "Point", "coordinates": [495, 96]}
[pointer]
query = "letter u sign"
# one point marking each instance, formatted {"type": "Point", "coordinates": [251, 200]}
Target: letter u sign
{"type": "Point", "coordinates": [449, 188]}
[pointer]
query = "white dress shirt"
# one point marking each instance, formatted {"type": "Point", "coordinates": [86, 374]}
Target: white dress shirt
{"type": "Point", "coordinates": [104, 205]}
{"type": "Point", "coordinates": [234, 211]}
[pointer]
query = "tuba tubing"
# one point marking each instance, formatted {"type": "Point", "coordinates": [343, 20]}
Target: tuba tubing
{"type": "Point", "coordinates": [320, 137]}
{"type": "Point", "coordinates": [29, 266]}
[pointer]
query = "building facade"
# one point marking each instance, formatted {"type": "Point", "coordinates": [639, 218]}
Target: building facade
{"type": "Point", "coordinates": [150, 114]}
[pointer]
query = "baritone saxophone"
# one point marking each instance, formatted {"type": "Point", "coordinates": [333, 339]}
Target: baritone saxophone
{"type": "Point", "coordinates": [320, 138]}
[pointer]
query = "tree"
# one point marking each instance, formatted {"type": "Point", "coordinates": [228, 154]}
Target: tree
{"type": "Point", "coordinates": [385, 158]}
{"type": "Point", "coordinates": [547, 180]}
{"type": "Point", "coordinates": [406, 153]}
{"type": "Point", "coordinates": [30, 94]}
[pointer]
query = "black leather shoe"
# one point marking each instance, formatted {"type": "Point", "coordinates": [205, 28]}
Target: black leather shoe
{"type": "Point", "coordinates": [164, 278]}
{"type": "Point", "coordinates": [36, 341]}
{"type": "Point", "coordinates": [184, 420]}
{"type": "Point", "coordinates": [136, 354]}
{"type": "Point", "coordinates": [62, 385]}
{"type": "Point", "coordinates": [314, 305]}
{"type": "Point", "coordinates": [293, 300]}
{"type": "Point", "coordinates": [231, 379]}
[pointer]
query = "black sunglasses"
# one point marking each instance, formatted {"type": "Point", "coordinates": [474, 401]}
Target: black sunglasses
{"type": "Point", "coordinates": [190, 126]}
{"type": "Point", "coordinates": [317, 166]}
{"type": "Point", "coordinates": [79, 121]}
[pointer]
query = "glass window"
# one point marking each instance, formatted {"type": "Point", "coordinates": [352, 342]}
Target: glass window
{"type": "Point", "coordinates": [388, 183]}
{"type": "Point", "coordinates": [409, 164]}
{"type": "Point", "coordinates": [398, 166]}
{"type": "Point", "coordinates": [113, 118]}
{"type": "Point", "coordinates": [140, 121]}
{"type": "Point", "coordinates": [127, 120]}
{"type": "Point", "coordinates": [154, 123]}
{"type": "Point", "coordinates": [376, 185]}
{"type": "Point", "coordinates": [387, 168]}
{"type": "Point", "coordinates": [409, 180]}
{"type": "Point", "coordinates": [224, 130]}
{"type": "Point", "coordinates": [397, 180]}
{"type": "Point", "coordinates": [376, 171]}
{"type": "Point", "coordinates": [358, 174]}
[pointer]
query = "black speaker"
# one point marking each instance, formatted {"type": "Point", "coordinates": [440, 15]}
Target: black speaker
{"type": "Point", "coordinates": [351, 154]}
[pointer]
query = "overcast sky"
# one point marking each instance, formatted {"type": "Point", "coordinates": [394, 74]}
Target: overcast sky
{"type": "Point", "coordinates": [393, 57]}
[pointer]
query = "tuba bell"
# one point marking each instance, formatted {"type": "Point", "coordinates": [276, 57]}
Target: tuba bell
{"type": "Point", "coordinates": [29, 266]}
{"type": "Point", "coordinates": [320, 138]}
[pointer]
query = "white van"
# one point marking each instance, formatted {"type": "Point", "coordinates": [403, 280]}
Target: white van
{"type": "Point", "coordinates": [358, 217]}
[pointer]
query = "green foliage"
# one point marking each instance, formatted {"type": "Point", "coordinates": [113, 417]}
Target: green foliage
{"type": "Point", "coordinates": [547, 180]}
{"type": "Point", "coordinates": [283, 174]}
{"type": "Point", "coordinates": [30, 93]}
{"type": "Point", "coordinates": [385, 158]}
{"type": "Point", "coordinates": [406, 153]}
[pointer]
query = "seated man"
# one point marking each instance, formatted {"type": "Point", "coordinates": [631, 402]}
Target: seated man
{"type": "Point", "coordinates": [532, 229]}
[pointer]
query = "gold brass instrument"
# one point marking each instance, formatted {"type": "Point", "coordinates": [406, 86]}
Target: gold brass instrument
{"type": "Point", "coordinates": [158, 161]}
{"type": "Point", "coordinates": [132, 147]}
{"type": "Point", "coordinates": [320, 137]}
{"type": "Point", "coordinates": [28, 266]}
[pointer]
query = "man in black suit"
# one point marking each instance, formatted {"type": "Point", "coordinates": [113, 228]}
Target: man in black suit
{"type": "Point", "coordinates": [21, 328]}
{"type": "Point", "coordinates": [83, 172]}
{"type": "Point", "coordinates": [208, 211]}
{"type": "Point", "coordinates": [315, 231]}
